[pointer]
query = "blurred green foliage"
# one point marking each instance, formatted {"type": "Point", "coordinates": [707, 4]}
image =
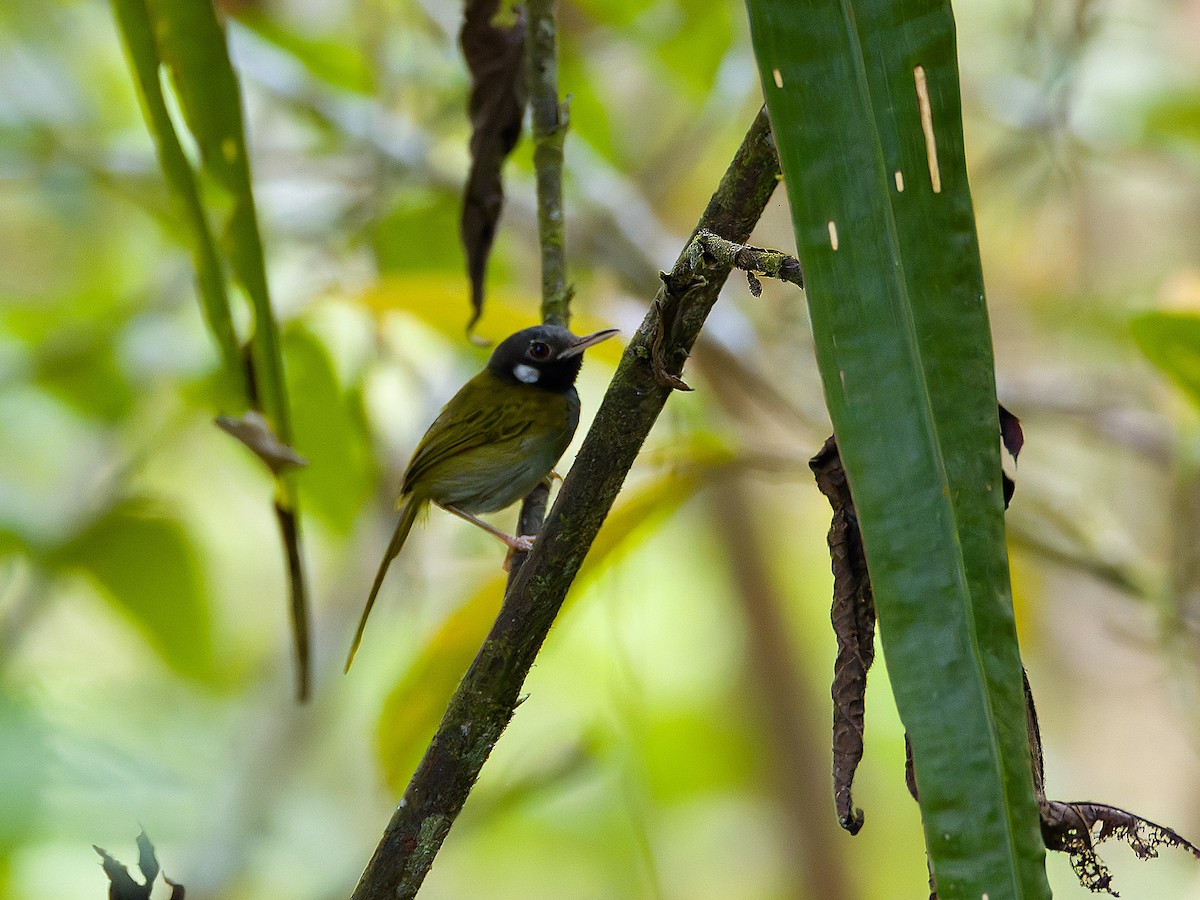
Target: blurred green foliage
{"type": "Point", "coordinates": [144, 662]}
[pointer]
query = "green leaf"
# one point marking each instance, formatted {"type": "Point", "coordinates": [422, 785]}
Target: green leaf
{"type": "Point", "coordinates": [331, 434]}
{"type": "Point", "coordinates": [1171, 340]}
{"type": "Point", "coordinates": [885, 230]}
{"type": "Point", "coordinates": [137, 32]}
{"type": "Point", "coordinates": [335, 62]}
{"type": "Point", "coordinates": [185, 36]}
{"type": "Point", "coordinates": [146, 565]}
{"type": "Point", "coordinates": [192, 45]}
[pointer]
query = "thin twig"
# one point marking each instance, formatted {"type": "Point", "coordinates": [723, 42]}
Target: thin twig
{"type": "Point", "coordinates": [549, 120]}
{"type": "Point", "coordinates": [548, 115]}
{"type": "Point", "coordinates": [484, 702]}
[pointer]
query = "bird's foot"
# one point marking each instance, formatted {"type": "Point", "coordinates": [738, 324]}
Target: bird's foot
{"type": "Point", "coordinates": [520, 544]}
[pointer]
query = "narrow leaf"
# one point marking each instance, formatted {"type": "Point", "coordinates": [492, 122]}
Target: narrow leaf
{"type": "Point", "coordinates": [864, 102]}
{"type": "Point", "coordinates": [191, 43]}
{"type": "Point", "coordinates": [493, 43]}
{"type": "Point", "coordinates": [186, 36]}
{"type": "Point", "coordinates": [137, 32]}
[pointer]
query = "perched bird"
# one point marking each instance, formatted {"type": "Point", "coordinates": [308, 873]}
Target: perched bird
{"type": "Point", "coordinates": [496, 439]}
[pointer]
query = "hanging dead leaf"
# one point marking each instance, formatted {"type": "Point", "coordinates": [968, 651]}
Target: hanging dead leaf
{"type": "Point", "coordinates": [853, 617]}
{"type": "Point", "coordinates": [493, 43]}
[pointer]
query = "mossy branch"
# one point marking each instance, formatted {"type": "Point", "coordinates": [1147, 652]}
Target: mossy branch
{"type": "Point", "coordinates": [484, 702]}
{"type": "Point", "coordinates": [549, 118]}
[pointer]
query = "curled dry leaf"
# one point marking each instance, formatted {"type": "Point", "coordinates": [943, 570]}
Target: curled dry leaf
{"type": "Point", "coordinates": [1068, 827]}
{"type": "Point", "coordinates": [853, 617]}
{"type": "Point", "coordinates": [256, 433]}
{"type": "Point", "coordinates": [493, 44]}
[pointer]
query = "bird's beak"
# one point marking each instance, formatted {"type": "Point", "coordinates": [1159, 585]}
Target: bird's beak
{"type": "Point", "coordinates": [580, 344]}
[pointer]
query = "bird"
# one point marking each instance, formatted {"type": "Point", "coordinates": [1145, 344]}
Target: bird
{"type": "Point", "coordinates": [496, 439]}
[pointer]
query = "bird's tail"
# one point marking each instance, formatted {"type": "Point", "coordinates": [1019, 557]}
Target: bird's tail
{"type": "Point", "coordinates": [408, 515]}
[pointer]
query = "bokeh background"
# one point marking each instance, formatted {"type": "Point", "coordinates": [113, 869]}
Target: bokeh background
{"type": "Point", "coordinates": [675, 739]}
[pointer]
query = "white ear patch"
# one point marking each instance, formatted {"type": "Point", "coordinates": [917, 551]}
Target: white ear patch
{"type": "Point", "coordinates": [526, 374]}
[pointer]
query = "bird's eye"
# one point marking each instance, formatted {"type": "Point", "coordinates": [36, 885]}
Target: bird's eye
{"type": "Point", "coordinates": [539, 351]}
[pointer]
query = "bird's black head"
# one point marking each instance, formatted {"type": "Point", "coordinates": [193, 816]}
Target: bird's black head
{"type": "Point", "coordinates": [544, 356]}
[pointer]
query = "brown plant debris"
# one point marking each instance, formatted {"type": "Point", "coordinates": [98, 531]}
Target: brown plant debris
{"type": "Point", "coordinates": [122, 886]}
{"type": "Point", "coordinates": [1013, 439]}
{"type": "Point", "coordinates": [1074, 828]}
{"type": "Point", "coordinates": [1010, 432]}
{"type": "Point", "coordinates": [853, 617]}
{"type": "Point", "coordinates": [493, 44]}
{"type": "Point", "coordinates": [253, 430]}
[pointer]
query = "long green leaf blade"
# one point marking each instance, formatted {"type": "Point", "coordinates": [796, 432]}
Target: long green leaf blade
{"type": "Point", "coordinates": [186, 36]}
{"type": "Point", "coordinates": [192, 44]}
{"type": "Point", "coordinates": [137, 33]}
{"type": "Point", "coordinates": [864, 99]}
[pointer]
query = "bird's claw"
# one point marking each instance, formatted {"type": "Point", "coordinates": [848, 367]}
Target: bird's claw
{"type": "Point", "coordinates": [521, 544]}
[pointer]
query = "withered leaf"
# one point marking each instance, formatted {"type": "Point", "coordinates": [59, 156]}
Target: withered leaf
{"type": "Point", "coordinates": [147, 861]}
{"type": "Point", "coordinates": [1071, 827]}
{"type": "Point", "coordinates": [256, 433]}
{"type": "Point", "coordinates": [1010, 432]}
{"type": "Point", "coordinates": [1013, 439]}
{"type": "Point", "coordinates": [122, 886]}
{"type": "Point", "coordinates": [493, 44]}
{"type": "Point", "coordinates": [853, 617]}
{"type": "Point", "coordinates": [1076, 829]}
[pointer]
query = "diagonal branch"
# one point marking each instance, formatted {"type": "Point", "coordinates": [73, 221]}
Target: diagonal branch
{"type": "Point", "coordinates": [484, 702]}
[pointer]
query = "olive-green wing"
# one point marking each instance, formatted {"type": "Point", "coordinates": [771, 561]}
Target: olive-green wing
{"type": "Point", "coordinates": [484, 411]}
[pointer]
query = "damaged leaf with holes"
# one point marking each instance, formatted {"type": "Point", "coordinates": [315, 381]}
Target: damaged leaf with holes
{"type": "Point", "coordinates": [123, 886]}
{"type": "Point", "coordinates": [1076, 828]}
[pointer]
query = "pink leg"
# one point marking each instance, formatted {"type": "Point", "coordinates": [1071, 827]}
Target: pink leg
{"type": "Point", "coordinates": [522, 544]}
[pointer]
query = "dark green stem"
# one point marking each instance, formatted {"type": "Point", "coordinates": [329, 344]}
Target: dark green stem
{"type": "Point", "coordinates": [484, 702]}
